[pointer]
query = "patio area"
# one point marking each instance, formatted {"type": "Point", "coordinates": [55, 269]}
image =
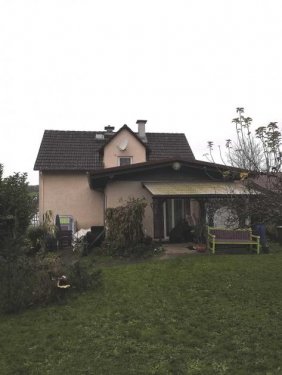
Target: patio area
{"type": "Point", "coordinates": [178, 249]}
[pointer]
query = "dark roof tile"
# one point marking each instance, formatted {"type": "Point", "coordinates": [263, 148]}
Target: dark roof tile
{"type": "Point", "coordinates": [79, 150]}
{"type": "Point", "coordinates": [169, 145]}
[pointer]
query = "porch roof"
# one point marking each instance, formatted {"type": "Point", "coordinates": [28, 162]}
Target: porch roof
{"type": "Point", "coordinates": [170, 189]}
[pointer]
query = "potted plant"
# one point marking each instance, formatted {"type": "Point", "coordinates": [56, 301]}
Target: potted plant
{"type": "Point", "coordinates": [200, 237]}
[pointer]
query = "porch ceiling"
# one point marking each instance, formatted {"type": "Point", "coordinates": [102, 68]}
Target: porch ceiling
{"type": "Point", "coordinates": [195, 188]}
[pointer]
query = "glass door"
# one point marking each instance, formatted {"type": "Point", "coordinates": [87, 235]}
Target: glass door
{"type": "Point", "coordinates": [174, 210]}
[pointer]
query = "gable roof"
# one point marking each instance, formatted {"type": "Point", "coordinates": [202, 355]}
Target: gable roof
{"type": "Point", "coordinates": [124, 127]}
{"type": "Point", "coordinates": [79, 150]}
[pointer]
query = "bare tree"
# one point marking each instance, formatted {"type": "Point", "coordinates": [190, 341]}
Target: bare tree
{"type": "Point", "coordinates": [259, 155]}
{"type": "Point", "coordinates": [259, 152]}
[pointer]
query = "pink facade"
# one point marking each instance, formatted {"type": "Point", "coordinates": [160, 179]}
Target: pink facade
{"type": "Point", "coordinates": [82, 174]}
{"type": "Point", "coordinates": [124, 144]}
{"type": "Point", "coordinates": [68, 193]}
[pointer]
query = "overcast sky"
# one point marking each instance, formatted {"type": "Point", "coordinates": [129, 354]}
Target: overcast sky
{"type": "Point", "coordinates": [182, 65]}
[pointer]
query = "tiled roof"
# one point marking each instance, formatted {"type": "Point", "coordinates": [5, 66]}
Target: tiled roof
{"type": "Point", "coordinates": [79, 150]}
{"type": "Point", "coordinates": [169, 145]}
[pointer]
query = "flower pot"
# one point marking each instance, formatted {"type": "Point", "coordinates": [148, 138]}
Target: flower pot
{"type": "Point", "coordinates": [201, 248]}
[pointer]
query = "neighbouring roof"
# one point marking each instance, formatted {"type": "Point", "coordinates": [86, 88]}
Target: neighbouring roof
{"type": "Point", "coordinates": [80, 150]}
{"type": "Point", "coordinates": [266, 182]}
{"type": "Point", "coordinates": [194, 189]}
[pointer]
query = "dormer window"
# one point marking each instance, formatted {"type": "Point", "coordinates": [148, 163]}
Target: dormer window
{"type": "Point", "coordinates": [124, 160]}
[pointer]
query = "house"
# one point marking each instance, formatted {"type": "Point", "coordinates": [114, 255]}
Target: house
{"type": "Point", "coordinates": [82, 173]}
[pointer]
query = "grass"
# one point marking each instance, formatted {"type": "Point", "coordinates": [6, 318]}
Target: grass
{"type": "Point", "coordinates": [191, 315]}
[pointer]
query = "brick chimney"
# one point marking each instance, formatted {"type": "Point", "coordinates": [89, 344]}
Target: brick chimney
{"type": "Point", "coordinates": [141, 130]}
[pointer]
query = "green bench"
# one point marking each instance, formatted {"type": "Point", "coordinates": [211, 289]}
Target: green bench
{"type": "Point", "coordinates": [223, 236]}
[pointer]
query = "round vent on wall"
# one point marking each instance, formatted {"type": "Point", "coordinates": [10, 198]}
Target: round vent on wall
{"type": "Point", "coordinates": [122, 146]}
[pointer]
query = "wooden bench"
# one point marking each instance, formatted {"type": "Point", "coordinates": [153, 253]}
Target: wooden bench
{"type": "Point", "coordinates": [222, 236]}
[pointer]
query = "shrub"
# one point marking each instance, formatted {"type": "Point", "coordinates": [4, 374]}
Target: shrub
{"type": "Point", "coordinates": [44, 236]}
{"type": "Point", "coordinates": [83, 277]}
{"type": "Point", "coordinates": [32, 281]}
{"type": "Point", "coordinates": [35, 238]}
{"type": "Point", "coordinates": [17, 280]}
{"type": "Point", "coordinates": [125, 224]}
{"type": "Point", "coordinates": [16, 206]}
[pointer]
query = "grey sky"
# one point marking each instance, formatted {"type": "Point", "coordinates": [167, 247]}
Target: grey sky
{"type": "Point", "coordinates": [183, 65]}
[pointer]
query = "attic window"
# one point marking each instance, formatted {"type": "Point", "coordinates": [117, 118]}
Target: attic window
{"type": "Point", "coordinates": [99, 136]}
{"type": "Point", "coordinates": [124, 160]}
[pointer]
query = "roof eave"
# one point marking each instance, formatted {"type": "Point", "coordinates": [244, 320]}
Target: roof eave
{"type": "Point", "coordinates": [102, 176]}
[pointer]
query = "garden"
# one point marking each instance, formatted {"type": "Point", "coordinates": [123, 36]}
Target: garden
{"type": "Point", "coordinates": [34, 271]}
{"type": "Point", "coordinates": [119, 309]}
{"type": "Point", "coordinates": [187, 315]}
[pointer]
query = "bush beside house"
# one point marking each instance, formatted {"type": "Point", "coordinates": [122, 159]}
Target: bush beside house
{"type": "Point", "coordinates": [28, 273]}
{"type": "Point", "coordinates": [125, 235]}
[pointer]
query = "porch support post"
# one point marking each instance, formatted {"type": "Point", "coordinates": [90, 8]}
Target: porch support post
{"type": "Point", "coordinates": [158, 218]}
{"type": "Point", "coordinates": [202, 220]}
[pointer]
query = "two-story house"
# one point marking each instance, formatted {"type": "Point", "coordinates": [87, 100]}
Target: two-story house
{"type": "Point", "coordinates": [82, 173]}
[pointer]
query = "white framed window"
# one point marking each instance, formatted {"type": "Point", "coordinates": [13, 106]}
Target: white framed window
{"type": "Point", "coordinates": [124, 160]}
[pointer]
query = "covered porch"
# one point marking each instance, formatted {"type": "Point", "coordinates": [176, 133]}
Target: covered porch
{"type": "Point", "coordinates": [190, 202]}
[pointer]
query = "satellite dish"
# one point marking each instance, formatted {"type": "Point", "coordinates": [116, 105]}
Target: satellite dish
{"type": "Point", "coordinates": [123, 145]}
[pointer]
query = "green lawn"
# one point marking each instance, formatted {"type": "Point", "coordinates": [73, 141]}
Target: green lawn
{"type": "Point", "coordinates": [192, 315]}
